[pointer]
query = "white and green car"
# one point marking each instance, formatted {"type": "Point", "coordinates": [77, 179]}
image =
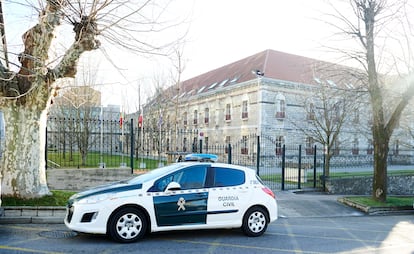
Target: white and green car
{"type": "Point", "coordinates": [182, 196]}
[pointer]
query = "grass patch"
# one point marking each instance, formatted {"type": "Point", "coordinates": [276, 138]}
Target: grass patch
{"type": "Point", "coordinates": [391, 201]}
{"type": "Point", "coordinates": [58, 198]}
{"type": "Point", "coordinates": [73, 160]}
{"type": "Point", "coordinates": [369, 173]}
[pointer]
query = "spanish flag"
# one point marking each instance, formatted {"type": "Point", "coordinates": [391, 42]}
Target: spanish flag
{"type": "Point", "coordinates": [140, 121]}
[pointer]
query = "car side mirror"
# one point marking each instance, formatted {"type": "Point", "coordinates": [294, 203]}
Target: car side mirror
{"type": "Point", "coordinates": [173, 186]}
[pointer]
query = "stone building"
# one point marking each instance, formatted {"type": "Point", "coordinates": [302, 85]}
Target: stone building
{"type": "Point", "coordinates": [264, 94]}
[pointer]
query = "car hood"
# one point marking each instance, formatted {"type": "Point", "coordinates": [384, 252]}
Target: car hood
{"type": "Point", "coordinates": [103, 189]}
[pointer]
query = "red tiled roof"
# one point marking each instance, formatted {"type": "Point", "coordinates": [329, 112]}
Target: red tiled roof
{"type": "Point", "coordinates": [274, 64]}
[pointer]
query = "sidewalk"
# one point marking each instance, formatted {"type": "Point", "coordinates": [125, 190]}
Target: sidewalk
{"type": "Point", "coordinates": [312, 204]}
{"type": "Point", "coordinates": [290, 204]}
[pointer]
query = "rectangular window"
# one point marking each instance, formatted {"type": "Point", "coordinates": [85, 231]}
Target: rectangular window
{"type": "Point", "coordinates": [185, 118]}
{"type": "Point", "coordinates": [227, 142]}
{"type": "Point", "coordinates": [280, 108]}
{"type": "Point", "coordinates": [336, 149]}
{"type": "Point", "coordinates": [195, 121]}
{"type": "Point", "coordinates": [356, 117]}
{"type": "Point", "coordinates": [228, 112]}
{"type": "Point", "coordinates": [245, 113]}
{"type": "Point", "coordinates": [355, 147]}
{"type": "Point", "coordinates": [279, 145]}
{"type": "Point", "coordinates": [370, 148]}
{"type": "Point", "coordinates": [244, 147]}
{"type": "Point", "coordinates": [310, 143]}
{"type": "Point", "coordinates": [311, 112]}
{"type": "Point", "coordinates": [396, 147]}
{"type": "Point", "coordinates": [206, 115]}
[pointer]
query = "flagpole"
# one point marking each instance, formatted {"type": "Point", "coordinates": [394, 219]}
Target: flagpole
{"type": "Point", "coordinates": [160, 142]}
{"type": "Point", "coordinates": [101, 164]}
{"type": "Point", "coordinates": [141, 126]}
{"type": "Point", "coordinates": [121, 122]}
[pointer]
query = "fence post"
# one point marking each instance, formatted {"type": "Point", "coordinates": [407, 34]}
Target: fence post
{"type": "Point", "coordinates": [300, 166]}
{"type": "Point", "coordinates": [258, 156]}
{"type": "Point", "coordinates": [323, 174]}
{"type": "Point", "coordinates": [46, 151]}
{"type": "Point", "coordinates": [283, 166]}
{"type": "Point", "coordinates": [229, 154]}
{"type": "Point", "coordinates": [132, 146]}
{"type": "Point", "coordinates": [314, 166]}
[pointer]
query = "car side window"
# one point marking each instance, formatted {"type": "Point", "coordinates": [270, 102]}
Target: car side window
{"type": "Point", "coordinates": [193, 177]}
{"type": "Point", "coordinates": [224, 177]}
{"type": "Point", "coordinates": [189, 178]}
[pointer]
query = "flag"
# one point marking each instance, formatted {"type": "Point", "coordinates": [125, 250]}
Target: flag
{"type": "Point", "coordinates": [121, 120]}
{"type": "Point", "coordinates": [140, 121]}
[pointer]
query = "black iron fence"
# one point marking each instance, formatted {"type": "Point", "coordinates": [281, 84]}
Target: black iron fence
{"type": "Point", "coordinates": [109, 144]}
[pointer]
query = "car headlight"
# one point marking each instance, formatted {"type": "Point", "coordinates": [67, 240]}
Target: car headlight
{"type": "Point", "coordinates": [95, 199]}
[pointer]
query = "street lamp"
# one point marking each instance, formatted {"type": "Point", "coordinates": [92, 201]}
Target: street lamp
{"type": "Point", "coordinates": [259, 74]}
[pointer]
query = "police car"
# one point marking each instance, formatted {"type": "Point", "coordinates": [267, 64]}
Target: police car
{"type": "Point", "coordinates": [195, 194]}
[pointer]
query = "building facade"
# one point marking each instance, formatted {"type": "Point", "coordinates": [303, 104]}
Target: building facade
{"type": "Point", "coordinates": [270, 93]}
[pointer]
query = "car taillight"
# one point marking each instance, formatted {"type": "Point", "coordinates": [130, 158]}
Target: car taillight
{"type": "Point", "coordinates": [269, 192]}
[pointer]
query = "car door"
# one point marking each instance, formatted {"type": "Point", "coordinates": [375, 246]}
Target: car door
{"type": "Point", "coordinates": [186, 205]}
{"type": "Point", "coordinates": [226, 195]}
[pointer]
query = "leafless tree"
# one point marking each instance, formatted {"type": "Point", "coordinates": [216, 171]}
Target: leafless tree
{"type": "Point", "coordinates": [383, 33]}
{"type": "Point", "coordinates": [328, 108]}
{"type": "Point", "coordinates": [26, 94]}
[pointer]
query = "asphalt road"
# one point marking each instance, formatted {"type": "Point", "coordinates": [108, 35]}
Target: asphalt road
{"type": "Point", "coordinates": [308, 223]}
{"type": "Point", "coordinates": [344, 234]}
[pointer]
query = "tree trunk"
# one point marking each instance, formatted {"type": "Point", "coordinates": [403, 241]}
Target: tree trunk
{"type": "Point", "coordinates": [23, 161]}
{"type": "Point", "coordinates": [379, 186]}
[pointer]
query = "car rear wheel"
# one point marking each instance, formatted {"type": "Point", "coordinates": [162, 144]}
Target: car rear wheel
{"type": "Point", "coordinates": [127, 225]}
{"type": "Point", "coordinates": [255, 222]}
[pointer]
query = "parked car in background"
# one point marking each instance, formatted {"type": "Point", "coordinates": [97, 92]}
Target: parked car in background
{"type": "Point", "coordinates": [189, 195]}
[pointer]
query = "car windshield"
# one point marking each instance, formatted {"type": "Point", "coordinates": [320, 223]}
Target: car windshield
{"type": "Point", "coordinates": [153, 174]}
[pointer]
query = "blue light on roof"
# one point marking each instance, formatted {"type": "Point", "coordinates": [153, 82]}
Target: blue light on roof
{"type": "Point", "coordinates": [201, 157]}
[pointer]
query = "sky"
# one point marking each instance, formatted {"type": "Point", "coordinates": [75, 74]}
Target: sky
{"type": "Point", "coordinates": [219, 32]}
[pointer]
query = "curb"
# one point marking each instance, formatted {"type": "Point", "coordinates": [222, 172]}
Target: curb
{"type": "Point", "coordinates": [377, 210]}
{"type": "Point", "coordinates": [35, 215]}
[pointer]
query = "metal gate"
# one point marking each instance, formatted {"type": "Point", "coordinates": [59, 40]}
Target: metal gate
{"type": "Point", "coordinates": [280, 167]}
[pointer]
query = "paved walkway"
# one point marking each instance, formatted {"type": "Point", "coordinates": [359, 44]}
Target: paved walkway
{"type": "Point", "coordinates": [312, 204]}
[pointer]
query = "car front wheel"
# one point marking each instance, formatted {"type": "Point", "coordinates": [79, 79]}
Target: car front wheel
{"type": "Point", "coordinates": [255, 222]}
{"type": "Point", "coordinates": [127, 225]}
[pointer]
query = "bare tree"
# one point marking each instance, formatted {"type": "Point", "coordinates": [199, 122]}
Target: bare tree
{"type": "Point", "coordinates": [327, 108]}
{"type": "Point", "coordinates": [78, 111]}
{"type": "Point", "coordinates": [26, 93]}
{"type": "Point", "coordinates": [384, 34]}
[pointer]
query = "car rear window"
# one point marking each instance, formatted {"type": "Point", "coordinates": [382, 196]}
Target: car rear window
{"type": "Point", "coordinates": [224, 177]}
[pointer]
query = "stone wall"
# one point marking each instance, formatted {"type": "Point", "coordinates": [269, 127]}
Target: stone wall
{"type": "Point", "coordinates": [80, 179]}
{"type": "Point", "coordinates": [397, 185]}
